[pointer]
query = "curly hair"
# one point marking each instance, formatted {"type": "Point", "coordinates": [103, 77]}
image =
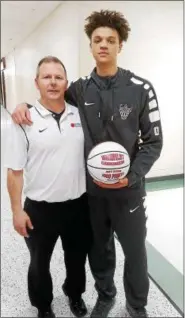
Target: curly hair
{"type": "Point", "coordinates": [111, 19]}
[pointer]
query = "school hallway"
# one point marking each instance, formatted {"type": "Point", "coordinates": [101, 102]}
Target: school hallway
{"type": "Point", "coordinates": [15, 260]}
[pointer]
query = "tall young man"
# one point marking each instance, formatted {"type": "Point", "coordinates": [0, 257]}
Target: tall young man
{"type": "Point", "coordinates": [56, 202]}
{"type": "Point", "coordinates": [115, 104]}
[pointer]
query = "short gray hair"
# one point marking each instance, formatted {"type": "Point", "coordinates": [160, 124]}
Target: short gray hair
{"type": "Point", "coordinates": [49, 59]}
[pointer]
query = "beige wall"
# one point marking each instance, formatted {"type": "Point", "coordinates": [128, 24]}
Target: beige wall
{"type": "Point", "coordinates": [153, 51]}
{"type": "Point", "coordinates": [55, 36]}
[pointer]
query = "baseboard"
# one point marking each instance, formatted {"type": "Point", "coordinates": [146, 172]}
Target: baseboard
{"type": "Point", "coordinates": [165, 182]}
{"type": "Point", "coordinates": [165, 178]}
{"type": "Point", "coordinates": [166, 277]}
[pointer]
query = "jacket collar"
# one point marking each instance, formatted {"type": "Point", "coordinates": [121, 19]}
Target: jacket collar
{"type": "Point", "coordinates": [111, 81]}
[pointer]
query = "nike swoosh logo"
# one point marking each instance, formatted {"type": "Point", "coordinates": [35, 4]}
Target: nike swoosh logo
{"type": "Point", "coordinates": [41, 130]}
{"type": "Point", "coordinates": [134, 209]}
{"type": "Point", "coordinates": [87, 104]}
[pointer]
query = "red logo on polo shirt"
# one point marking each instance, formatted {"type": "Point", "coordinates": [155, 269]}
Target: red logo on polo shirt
{"type": "Point", "coordinates": [76, 125]}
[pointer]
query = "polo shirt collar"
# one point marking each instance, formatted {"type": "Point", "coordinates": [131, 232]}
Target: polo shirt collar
{"type": "Point", "coordinates": [45, 112]}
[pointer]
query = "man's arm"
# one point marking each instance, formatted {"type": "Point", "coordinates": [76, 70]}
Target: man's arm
{"type": "Point", "coordinates": [21, 114]}
{"type": "Point", "coordinates": [152, 141]}
{"type": "Point", "coordinates": [15, 161]}
{"type": "Point", "coordinates": [71, 95]}
{"type": "Point", "coordinates": [151, 137]}
{"type": "Point", "coordinates": [15, 186]}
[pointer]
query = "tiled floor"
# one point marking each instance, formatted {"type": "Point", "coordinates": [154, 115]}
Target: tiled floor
{"type": "Point", "coordinates": [14, 264]}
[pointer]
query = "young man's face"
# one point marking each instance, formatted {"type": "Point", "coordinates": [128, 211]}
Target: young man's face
{"type": "Point", "coordinates": [105, 45]}
{"type": "Point", "coordinates": [51, 81]}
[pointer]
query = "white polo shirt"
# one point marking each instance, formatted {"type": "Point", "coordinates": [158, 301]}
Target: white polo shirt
{"type": "Point", "coordinates": [51, 154]}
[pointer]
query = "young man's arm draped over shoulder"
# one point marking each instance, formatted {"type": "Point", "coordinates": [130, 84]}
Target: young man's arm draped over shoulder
{"type": "Point", "coordinates": [151, 136]}
{"type": "Point", "coordinates": [71, 95]}
{"type": "Point", "coordinates": [15, 161]}
{"type": "Point", "coordinates": [21, 114]}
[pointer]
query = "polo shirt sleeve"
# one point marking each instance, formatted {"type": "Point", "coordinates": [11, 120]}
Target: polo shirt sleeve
{"type": "Point", "coordinates": [16, 149]}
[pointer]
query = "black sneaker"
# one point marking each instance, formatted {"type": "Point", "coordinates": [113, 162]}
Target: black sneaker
{"type": "Point", "coordinates": [136, 312]}
{"type": "Point", "coordinates": [77, 306]}
{"type": "Point", "coordinates": [102, 307]}
{"type": "Point", "coordinates": [46, 313]}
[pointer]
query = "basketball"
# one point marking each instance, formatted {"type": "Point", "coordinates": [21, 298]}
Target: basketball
{"type": "Point", "coordinates": [108, 162]}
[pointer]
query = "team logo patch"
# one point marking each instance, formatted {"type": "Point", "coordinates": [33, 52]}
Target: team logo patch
{"type": "Point", "coordinates": [76, 125]}
{"type": "Point", "coordinates": [124, 111]}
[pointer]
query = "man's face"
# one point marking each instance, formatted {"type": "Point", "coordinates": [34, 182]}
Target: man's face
{"type": "Point", "coordinates": [51, 81]}
{"type": "Point", "coordinates": [105, 45]}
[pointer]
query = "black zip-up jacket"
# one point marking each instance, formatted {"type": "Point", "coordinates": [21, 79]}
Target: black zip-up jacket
{"type": "Point", "coordinates": [124, 109]}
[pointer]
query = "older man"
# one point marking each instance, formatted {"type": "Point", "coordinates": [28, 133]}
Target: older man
{"type": "Point", "coordinates": [50, 154]}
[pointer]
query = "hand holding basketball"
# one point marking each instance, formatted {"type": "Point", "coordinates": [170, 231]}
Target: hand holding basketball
{"type": "Point", "coordinates": [121, 184]}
